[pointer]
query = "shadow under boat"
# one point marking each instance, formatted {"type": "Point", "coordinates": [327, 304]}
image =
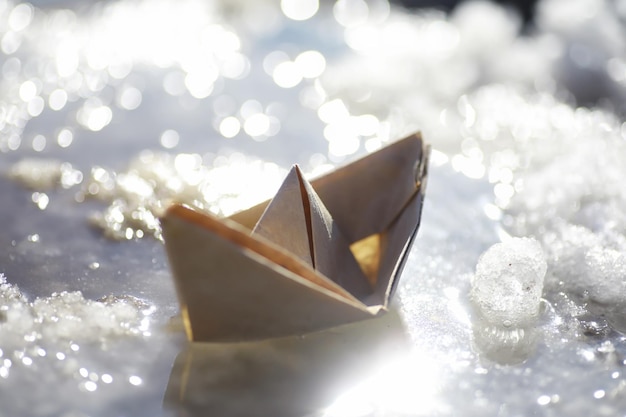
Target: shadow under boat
{"type": "Point", "coordinates": [289, 376]}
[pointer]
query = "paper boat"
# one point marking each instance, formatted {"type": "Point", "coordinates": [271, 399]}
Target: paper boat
{"type": "Point", "coordinates": [317, 255]}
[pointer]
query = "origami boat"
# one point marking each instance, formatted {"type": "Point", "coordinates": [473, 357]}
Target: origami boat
{"type": "Point", "coordinates": [315, 256]}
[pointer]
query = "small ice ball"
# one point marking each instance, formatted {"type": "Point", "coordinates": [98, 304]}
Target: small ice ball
{"type": "Point", "coordinates": [508, 283]}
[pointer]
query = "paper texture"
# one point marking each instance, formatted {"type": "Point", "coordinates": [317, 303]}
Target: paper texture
{"type": "Point", "coordinates": [296, 219]}
{"type": "Point", "coordinates": [317, 255]}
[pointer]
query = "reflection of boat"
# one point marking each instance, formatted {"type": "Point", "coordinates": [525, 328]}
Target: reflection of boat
{"type": "Point", "coordinates": [292, 274]}
{"type": "Point", "coordinates": [291, 376]}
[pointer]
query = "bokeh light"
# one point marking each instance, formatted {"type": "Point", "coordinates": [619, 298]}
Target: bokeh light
{"type": "Point", "coordinates": [299, 9]}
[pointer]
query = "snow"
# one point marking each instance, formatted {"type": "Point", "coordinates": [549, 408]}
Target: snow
{"type": "Point", "coordinates": [508, 283]}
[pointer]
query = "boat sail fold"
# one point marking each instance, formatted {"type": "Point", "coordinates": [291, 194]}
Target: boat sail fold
{"type": "Point", "coordinates": [317, 255]}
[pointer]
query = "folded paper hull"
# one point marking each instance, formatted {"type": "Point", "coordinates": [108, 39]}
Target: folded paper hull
{"type": "Point", "coordinates": [233, 285]}
{"type": "Point", "coordinates": [230, 294]}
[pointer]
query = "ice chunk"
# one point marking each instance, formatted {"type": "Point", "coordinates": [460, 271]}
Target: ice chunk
{"type": "Point", "coordinates": [607, 270]}
{"type": "Point", "coordinates": [508, 283]}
